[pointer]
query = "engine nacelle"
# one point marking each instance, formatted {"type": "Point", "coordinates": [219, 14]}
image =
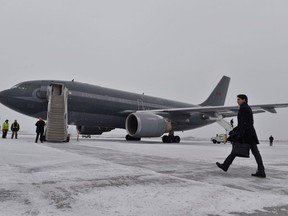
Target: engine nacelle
{"type": "Point", "coordinates": [146, 125]}
{"type": "Point", "coordinates": [87, 130]}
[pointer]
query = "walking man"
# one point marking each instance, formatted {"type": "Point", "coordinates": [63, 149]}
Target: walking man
{"type": "Point", "coordinates": [245, 132]}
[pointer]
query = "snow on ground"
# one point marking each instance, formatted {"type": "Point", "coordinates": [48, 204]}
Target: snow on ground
{"type": "Point", "coordinates": [108, 176]}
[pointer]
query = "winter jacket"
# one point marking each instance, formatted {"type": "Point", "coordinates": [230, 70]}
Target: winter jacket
{"type": "Point", "coordinates": [5, 126]}
{"type": "Point", "coordinates": [245, 130]}
{"type": "Point", "coordinates": [40, 124]}
{"type": "Point", "coordinates": [15, 126]}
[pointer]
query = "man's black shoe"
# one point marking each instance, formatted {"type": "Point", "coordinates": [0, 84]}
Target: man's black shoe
{"type": "Point", "coordinates": [259, 174]}
{"type": "Point", "coordinates": [221, 166]}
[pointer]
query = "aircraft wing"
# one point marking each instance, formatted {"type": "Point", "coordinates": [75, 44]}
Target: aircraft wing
{"type": "Point", "coordinates": [224, 111]}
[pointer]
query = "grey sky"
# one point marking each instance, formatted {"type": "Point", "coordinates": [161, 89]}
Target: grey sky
{"type": "Point", "coordinates": [171, 49]}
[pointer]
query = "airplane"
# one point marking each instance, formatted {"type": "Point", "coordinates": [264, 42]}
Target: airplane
{"type": "Point", "coordinates": [94, 109]}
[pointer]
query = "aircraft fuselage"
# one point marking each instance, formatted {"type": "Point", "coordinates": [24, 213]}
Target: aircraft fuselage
{"type": "Point", "coordinates": [92, 105]}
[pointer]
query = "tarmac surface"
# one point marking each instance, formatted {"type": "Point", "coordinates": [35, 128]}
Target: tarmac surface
{"type": "Point", "coordinates": [108, 176]}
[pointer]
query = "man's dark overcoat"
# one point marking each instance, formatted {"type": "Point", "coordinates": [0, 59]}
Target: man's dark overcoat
{"type": "Point", "coordinates": [245, 128]}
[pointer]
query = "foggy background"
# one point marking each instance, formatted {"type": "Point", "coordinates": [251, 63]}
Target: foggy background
{"type": "Point", "coordinates": [177, 50]}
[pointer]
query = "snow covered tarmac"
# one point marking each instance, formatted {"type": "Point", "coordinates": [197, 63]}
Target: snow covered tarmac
{"type": "Point", "coordinates": [112, 177]}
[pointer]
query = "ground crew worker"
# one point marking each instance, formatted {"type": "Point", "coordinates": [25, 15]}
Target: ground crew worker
{"type": "Point", "coordinates": [15, 127]}
{"type": "Point", "coordinates": [5, 128]}
{"type": "Point", "coordinates": [232, 123]}
{"type": "Point", "coordinates": [271, 139]}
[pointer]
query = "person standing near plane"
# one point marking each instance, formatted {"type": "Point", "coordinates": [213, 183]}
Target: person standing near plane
{"type": "Point", "coordinates": [271, 139]}
{"type": "Point", "coordinates": [5, 128]}
{"type": "Point", "coordinates": [15, 127]}
{"type": "Point", "coordinates": [40, 124]}
{"type": "Point", "coordinates": [245, 132]}
{"type": "Point", "coordinates": [232, 123]}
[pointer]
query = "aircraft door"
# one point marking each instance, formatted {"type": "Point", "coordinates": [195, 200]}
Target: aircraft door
{"type": "Point", "coordinates": [140, 104]}
{"type": "Point", "coordinates": [40, 93]}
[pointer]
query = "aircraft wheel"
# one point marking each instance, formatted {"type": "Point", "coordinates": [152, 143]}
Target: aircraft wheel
{"type": "Point", "coordinates": [166, 139]}
{"type": "Point", "coordinates": [176, 139]}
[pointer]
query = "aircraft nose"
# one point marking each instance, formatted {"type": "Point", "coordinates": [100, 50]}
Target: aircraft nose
{"type": "Point", "coordinates": [4, 96]}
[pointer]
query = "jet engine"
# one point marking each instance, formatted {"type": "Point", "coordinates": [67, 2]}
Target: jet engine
{"type": "Point", "coordinates": [88, 130]}
{"type": "Point", "coordinates": [144, 124]}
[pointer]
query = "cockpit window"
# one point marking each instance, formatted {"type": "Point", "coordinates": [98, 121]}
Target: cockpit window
{"type": "Point", "coordinates": [22, 86]}
{"type": "Point", "coordinates": [16, 86]}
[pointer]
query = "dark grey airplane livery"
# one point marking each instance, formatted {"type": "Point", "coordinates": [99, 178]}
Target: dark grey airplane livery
{"type": "Point", "coordinates": [94, 109]}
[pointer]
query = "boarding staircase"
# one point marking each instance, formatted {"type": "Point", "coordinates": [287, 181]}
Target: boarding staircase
{"type": "Point", "coordinates": [56, 130]}
{"type": "Point", "coordinates": [226, 125]}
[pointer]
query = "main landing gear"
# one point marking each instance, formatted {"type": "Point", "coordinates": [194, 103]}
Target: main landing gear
{"type": "Point", "coordinates": [170, 139]}
{"type": "Point", "coordinates": [165, 139]}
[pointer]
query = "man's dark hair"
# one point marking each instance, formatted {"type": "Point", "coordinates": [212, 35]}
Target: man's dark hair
{"type": "Point", "coordinates": [243, 97]}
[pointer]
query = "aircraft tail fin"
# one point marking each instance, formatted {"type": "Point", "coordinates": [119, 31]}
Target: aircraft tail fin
{"type": "Point", "coordinates": [218, 95]}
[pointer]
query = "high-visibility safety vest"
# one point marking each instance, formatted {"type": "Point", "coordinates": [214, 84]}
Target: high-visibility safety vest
{"type": "Point", "coordinates": [5, 126]}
